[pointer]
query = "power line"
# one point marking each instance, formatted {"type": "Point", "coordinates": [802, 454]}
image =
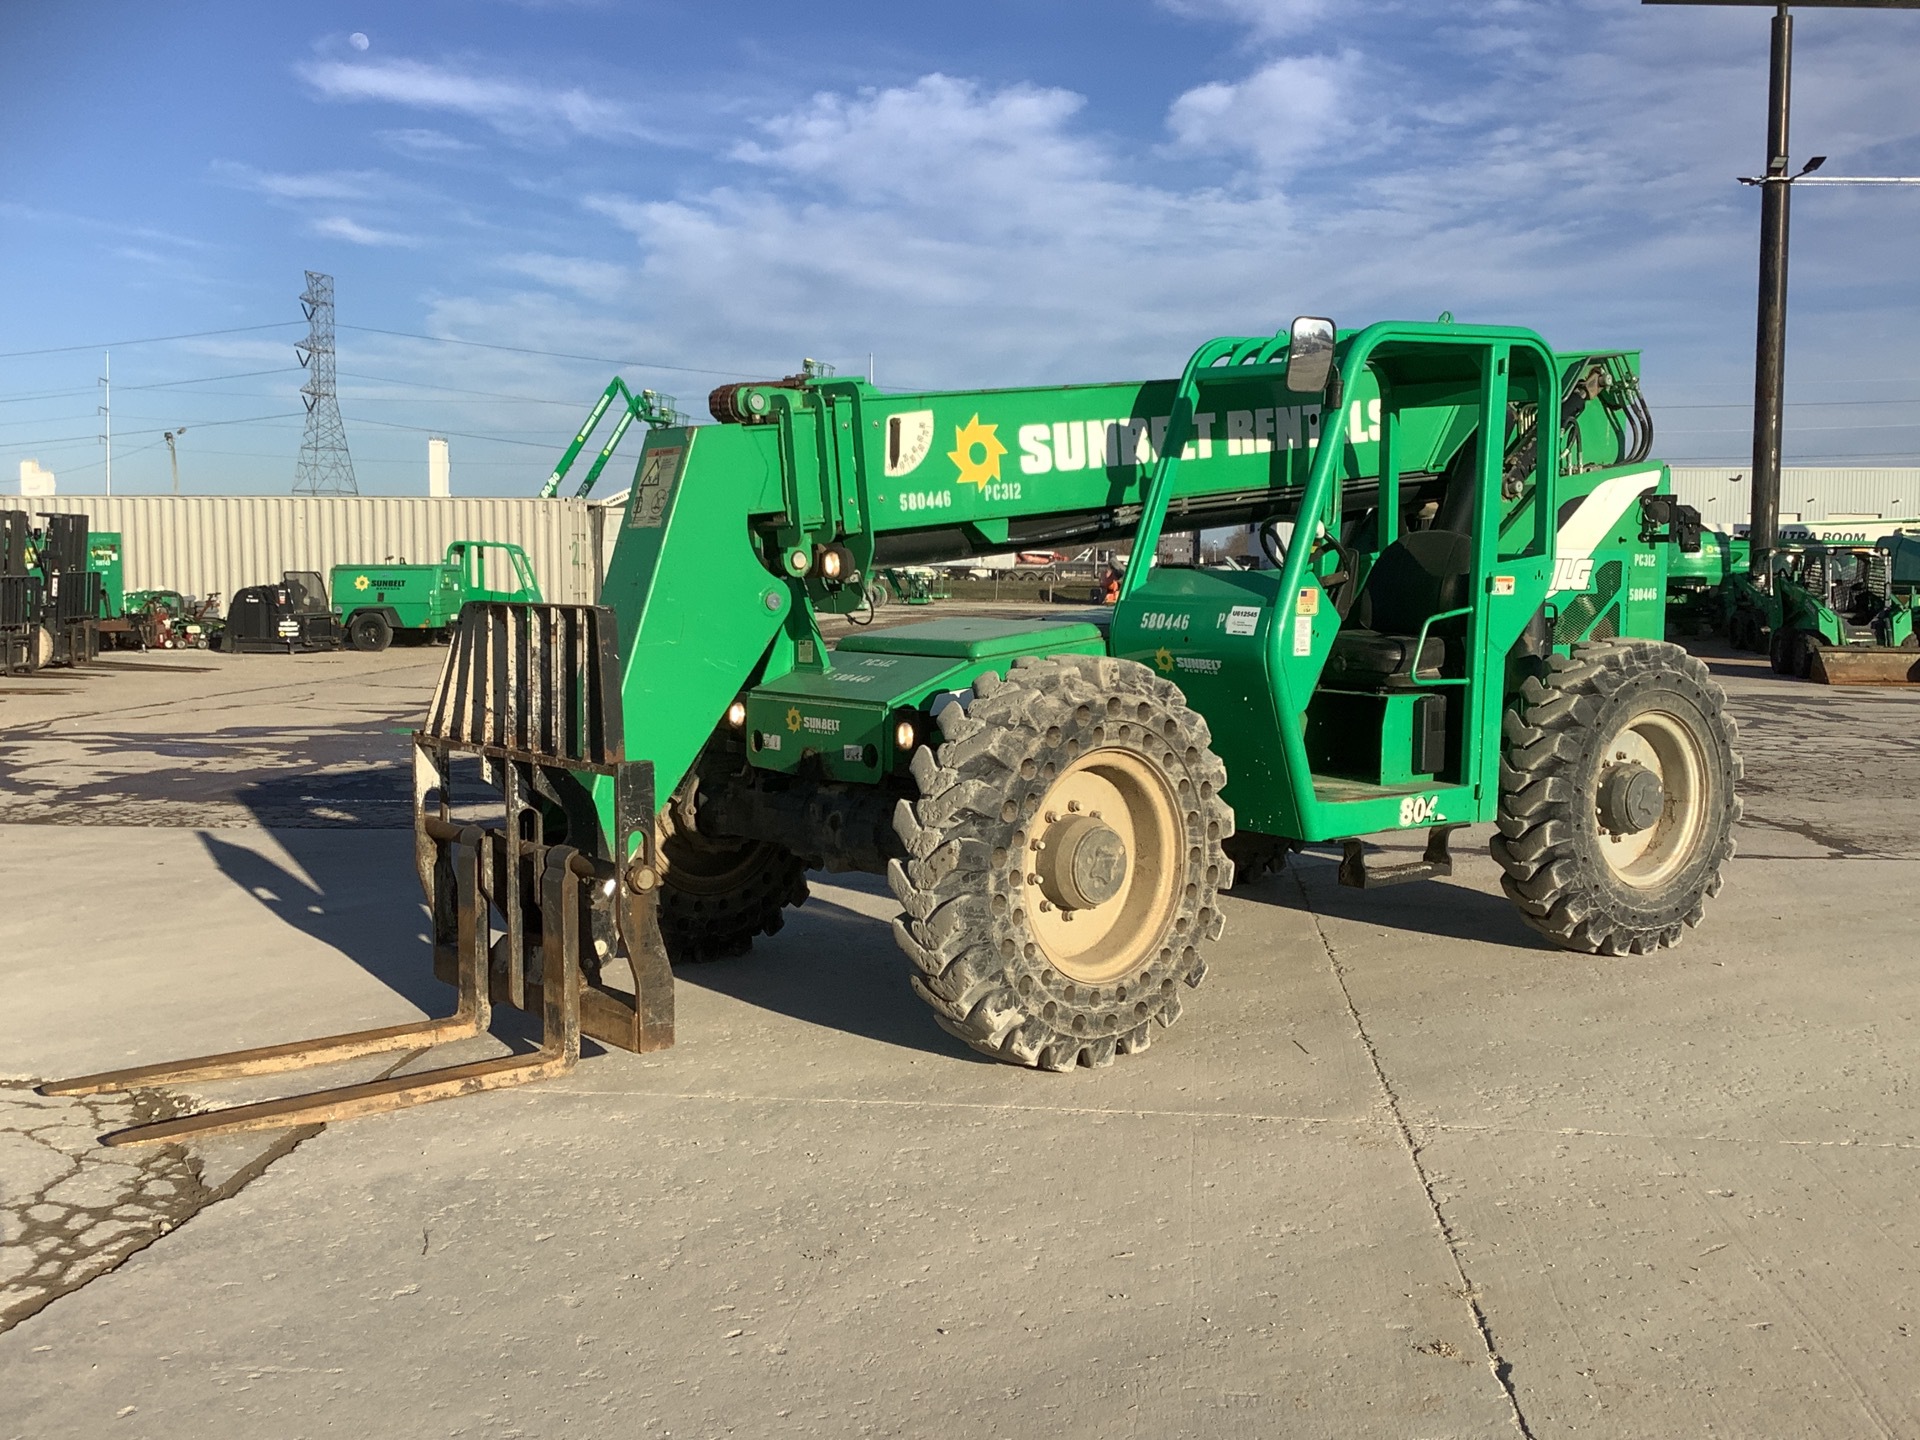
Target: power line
{"type": "Point", "coordinates": [209, 379]}
{"type": "Point", "coordinates": [198, 424]}
{"type": "Point", "coordinates": [456, 390]}
{"type": "Point", "coordinates": [463, 434]}
{"type": "Point", "coordinates": [143, 340]}
{"type": "Point", "coordinates": [549, 354]}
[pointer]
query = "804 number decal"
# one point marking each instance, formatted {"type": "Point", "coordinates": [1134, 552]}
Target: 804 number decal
{"type": "Point", "coordinates": [1419, 809]}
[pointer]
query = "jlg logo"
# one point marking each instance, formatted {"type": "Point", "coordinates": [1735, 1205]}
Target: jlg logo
{"type": "Point", "coordinates": [1419, 809]}
{"type": "Point", "coordinates": [1573, 573]}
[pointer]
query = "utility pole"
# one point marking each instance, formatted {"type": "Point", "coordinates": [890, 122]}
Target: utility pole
{"type": "Point", "coordinates": [1770, 337]}
{"type": "Point", "coordinates": [173, 455]}
{"type": "Point", "coordinates": [106, 411]}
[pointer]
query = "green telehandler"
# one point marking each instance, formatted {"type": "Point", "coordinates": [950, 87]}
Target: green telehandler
{"type": "Point", "coordinates": [1462, 629]}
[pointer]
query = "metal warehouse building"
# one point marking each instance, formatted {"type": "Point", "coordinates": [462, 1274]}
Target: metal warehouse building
{"type": "Point", "coordinates": [202, 544]}
{"type": "Point", "coordinates": [1723, 495]}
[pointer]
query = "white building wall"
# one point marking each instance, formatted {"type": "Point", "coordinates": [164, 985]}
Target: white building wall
{"type": "Point", "coordinates": [200, 544]}
{"type": "Point", "coordinates": [1723, 494]}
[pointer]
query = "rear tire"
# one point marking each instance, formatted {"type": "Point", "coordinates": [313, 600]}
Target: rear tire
{"type": "Point", "coordinates": [370, 632]}
{"type": "Point", "coordinates": [1576, 866]}
{"type": "Point", "coordinates": [1071, 761]}
{"type": "Point", "coordinates": [1255, 856]}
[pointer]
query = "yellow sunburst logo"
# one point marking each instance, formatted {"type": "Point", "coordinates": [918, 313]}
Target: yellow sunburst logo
{"type": "Point", "coordinates": [793, 717]}
{"type": "Point", "coordinates": [1163, 658]}
{"type": "Point", "coordinates": [360, 582]}
{"type": "Point", "coordinates": [973, 440]}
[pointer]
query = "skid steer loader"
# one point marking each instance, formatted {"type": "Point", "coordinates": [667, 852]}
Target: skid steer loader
{"type": "Point", "coordinates": [1462, 628]}
{"type": "Point", "coordinates": [1836, 614]}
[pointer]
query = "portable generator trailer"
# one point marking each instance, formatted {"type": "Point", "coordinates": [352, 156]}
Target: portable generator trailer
{"type": "Point", "coordinates": [1464, 628]}
{"type": "Point", "coordinates": [377, 602]}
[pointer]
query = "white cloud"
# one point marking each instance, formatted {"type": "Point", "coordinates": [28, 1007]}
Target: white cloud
{"type": "Point", "coordinates": [1285, 114]}
{"type": "Point", "coordinates": [315, 185]}
{"type": "Point", "coordinates": [424, 144]}
{"type": "Point", "coordinates": [567, 272]}
{"type": "Point", "coordinates": [339, 227]}
{"type": "Point", "coordinates": [1264, 19]}
{"type": "Point", "coordinates": [1529, 164]}
{"type": "Point", "coordinates": [513, 107]}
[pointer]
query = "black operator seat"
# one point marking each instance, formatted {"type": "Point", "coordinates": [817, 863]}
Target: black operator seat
{"type": "Point", "coordinates": [1418, 576]}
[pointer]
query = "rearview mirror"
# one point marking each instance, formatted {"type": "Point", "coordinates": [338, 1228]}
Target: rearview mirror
{"type": "Point", "coordinates": [1310, 355]}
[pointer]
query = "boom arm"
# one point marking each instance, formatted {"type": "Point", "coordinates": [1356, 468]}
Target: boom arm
{"type": "Point", "coordinates": [656, 409]}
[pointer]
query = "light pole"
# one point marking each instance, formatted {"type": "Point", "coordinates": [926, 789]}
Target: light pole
{"type": "Point", "coordinates": [1770, 340]}
{"type": "Point", "coordinates": [174, 455]}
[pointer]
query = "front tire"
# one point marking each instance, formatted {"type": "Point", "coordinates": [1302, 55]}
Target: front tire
{"type": "Point", "coordinates": [717, 896]}
{"type": "Point", "coordinates": [1617, 797]}
{"type": "Point", "coordinates": [1064, 862]}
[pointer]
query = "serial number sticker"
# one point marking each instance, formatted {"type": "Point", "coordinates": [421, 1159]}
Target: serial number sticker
{"type": "Point", "coordinates": [926, 500]}
{"type": "Point", "coordinates": [853, 754]}
{"type": "Point", "coordinates": [770, 740]}
{"type": "Point", "coordinates": [1309, 602]}
{"type": "Point", "coordinates": [1303, 634]}
{"type": "Point", "coordinates": [1160, 620]}
{"type": "Point", "coordinates": [1244, 620]}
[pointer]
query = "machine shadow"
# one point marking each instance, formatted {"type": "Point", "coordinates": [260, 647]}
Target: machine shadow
{"type": "Point", "coordinates": [347, 897]}
{"type": "Point", "coordinates": [837, 968]}
{"type": "Point", "coordinates": [1426, 908]}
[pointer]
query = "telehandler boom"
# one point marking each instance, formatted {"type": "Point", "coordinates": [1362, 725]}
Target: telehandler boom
{"type": "Point", "coordinates": [1459, 626]}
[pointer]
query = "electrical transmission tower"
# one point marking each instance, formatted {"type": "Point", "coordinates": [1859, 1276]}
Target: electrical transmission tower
{"type": "Point", "coordinates": [325, 466]}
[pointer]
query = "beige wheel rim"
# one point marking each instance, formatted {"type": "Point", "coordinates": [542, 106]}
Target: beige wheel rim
{"type": "Point", "coordinates": [1647, 859]}
{"type": "Point", "coordinates": [1095, 944]}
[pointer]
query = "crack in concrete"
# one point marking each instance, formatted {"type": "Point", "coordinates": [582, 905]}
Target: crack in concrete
{"type": "Point", "coordinates": [1501, 1369]}
{"type": "Point", "coordinates": [82, 1209]}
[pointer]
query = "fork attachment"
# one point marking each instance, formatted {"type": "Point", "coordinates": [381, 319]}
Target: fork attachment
{"type": "Point", "coordinates": [525, 695]}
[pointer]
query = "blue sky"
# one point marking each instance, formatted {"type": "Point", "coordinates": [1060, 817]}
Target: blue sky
{"type": "Point", "coordinates": [982, 194]}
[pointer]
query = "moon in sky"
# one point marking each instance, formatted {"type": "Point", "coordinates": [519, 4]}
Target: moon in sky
{"type": "Point", "coordinates": [358, 41]}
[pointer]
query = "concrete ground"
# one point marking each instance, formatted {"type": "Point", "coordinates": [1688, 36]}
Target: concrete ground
{"type": "Point", "coordinates": [1400, 1171]}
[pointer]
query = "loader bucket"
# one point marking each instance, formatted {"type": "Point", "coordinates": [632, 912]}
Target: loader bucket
{"type": "Point", "coordinates": [1864, 665]}
{"type": "Point", "coordinates": [519, 918]}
